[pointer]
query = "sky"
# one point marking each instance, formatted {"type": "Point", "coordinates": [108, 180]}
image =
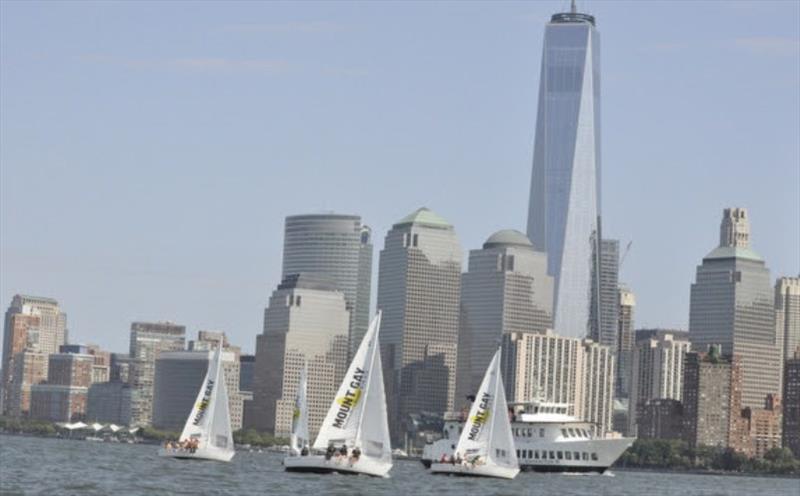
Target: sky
{"type": "Point", "coordinates": [150, 151]}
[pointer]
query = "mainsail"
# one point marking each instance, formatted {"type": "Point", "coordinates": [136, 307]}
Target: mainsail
{"type": "Point", "coordinates": [487, 431]}
{"type": "Point", "coordinates": [299, 437]}
{"type": "Point", "coordinates": [357, 417]}
{"type": "Point", "coordinates": [209, 421]}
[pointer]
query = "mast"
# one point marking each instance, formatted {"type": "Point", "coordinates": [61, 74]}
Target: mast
{"type": "Point", "coordinates": [573, 9]}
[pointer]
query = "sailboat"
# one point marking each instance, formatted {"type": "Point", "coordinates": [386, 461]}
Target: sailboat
{"type": "Point", "coordinates": [208, 428]}
{"type": "Point", "coordinates": [299, 437]}
{"type": "Point", "coordinates": [486, 446]}
{"type": "Point", "coordinates": [354, 437]}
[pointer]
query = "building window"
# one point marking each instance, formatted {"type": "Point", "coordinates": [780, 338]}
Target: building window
{"type": "Point", "coordinates": [297, 300]}
{"type": "Point", "coordinates": [510, 262]}
{"type": "Point", "coordinates": [416, 239]}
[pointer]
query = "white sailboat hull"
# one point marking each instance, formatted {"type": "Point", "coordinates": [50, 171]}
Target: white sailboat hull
{"type": "Point", "coordinates": [212, 454]}
{"type": "Point", "coordinates": [318, 464]}
{"type": "Point", "coordinates": [496, 471]}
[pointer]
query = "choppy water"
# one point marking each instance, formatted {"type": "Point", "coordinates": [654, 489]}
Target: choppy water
{"type": "Point", "coordinates": [53, 467]}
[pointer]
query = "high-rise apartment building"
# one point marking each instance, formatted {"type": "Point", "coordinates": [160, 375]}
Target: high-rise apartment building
{"type": "Point", "coordinates": [564, 209]}
{"type": "Point", "coordinates": [791, 404]}
{"type": "Point", "coordinates": [419, 287]}
{"type": "Point", "coordinates": [180, 374]}
{"type": "Point", "coordinates": [604, 310]}
{"type": "Point", "coordinates": [32, 323]}
{"type": "Point", "coordinates": [712, 400]}
{"type": "Point", "coordinates": [656, 371]}
{"type": "Point", "coordinates": [554, 368]}
{"type": "Point", "coordinates": [148, 341]}
{"type": "Point", "coordinates": [506, 289]}
{"type": "Point", "coordinates": [660, 418]}
{"type": "Point", "coordinates": [30, 368]}
{"type": "Point", "coordinates": [305, 324]}
{"type": "Point", "coordinates": [787, 314]}
{"type": "Point", "coordinates": [339, 247]}
{"type": "Point", "coordinates": [732, 304]}
{"type": "Point", "coordinates": [625, 333]}
{"type": "Point", "coordinates": [109, 402]}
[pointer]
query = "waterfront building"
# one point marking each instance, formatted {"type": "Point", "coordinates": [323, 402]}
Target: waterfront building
{"type": "Point", "coordinates": [657, 370]}
{"type": "Point", "coordinates": [625, 332]}
{"type": "Point", "coordinates": [506, 289]}
{"type": "Point", "coordinates": [306, 324]}
{"type": "Point", "coordinates": [604, 310]}
{"type": "Point", "coordinates": [208, 341]}
{"type": "Point", "coordinates": [109, 402]}
{"type": "Point", "coordinates": [661, 418]}
{"type": "Point", "coordinates": [762, 427]}
{"type": "Point", "coordinates": [30, 367]}
{"type": "Point", "coordinates": [419, 287]}
{"type": "Point", "coordinates": [559, 369]}
{"type": "Point", "coordinates": [63, 397]}
{"type": "Point", "coordinates": [791, 404]}
{"type": "Point", "coordinates": [712, 400]}
{"type": "Point", "coordinates": [178, 377]}
{"type": "Point", "coordinates": [787, 314]}
{"type": "Point", "coordinates": [148, 341]}
{"type": "Point", "coordinates": [564, 209]}
{"type": "Point", "coordinates": [101, 369]}
{"type": "Point", "coordinates": [120, 368]}
{"type": "Point", "coordinates": [732, 304]}
{"type": "Point", "coordinates": [51, 329]}
{"type": "Point", "coordinates": [339, 247]}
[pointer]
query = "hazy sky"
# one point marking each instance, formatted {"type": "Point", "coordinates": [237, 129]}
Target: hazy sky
{"type": "Point", "coordinates": [150, 151]}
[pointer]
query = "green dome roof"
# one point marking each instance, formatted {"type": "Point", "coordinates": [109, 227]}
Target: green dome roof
{"type": "Point", "coordinates": [731, 252]}
{"type": "Point", "coordinates": [424, 216]}
{"type": "Point", "coordinates": [507, 237]}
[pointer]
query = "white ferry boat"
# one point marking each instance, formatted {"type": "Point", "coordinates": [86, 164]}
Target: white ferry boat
{"type": "Point", "coordinates": [546, 439]}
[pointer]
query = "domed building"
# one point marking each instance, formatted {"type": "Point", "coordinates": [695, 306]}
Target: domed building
{"type": "Point", "coordinates": [505, 289]}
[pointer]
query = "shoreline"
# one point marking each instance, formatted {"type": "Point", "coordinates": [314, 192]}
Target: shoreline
{"type": "Point", "coordinates": [694, 471]}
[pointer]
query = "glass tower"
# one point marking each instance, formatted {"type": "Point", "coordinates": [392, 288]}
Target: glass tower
{"type": "Point", "coordinates": [563, 215]}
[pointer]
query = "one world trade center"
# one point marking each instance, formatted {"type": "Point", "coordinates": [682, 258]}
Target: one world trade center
{"type": "Point", "coordinates": [564, 210]}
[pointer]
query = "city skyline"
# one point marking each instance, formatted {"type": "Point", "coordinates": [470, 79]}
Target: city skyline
{"type": "Point", "coordinates": [185, 271]}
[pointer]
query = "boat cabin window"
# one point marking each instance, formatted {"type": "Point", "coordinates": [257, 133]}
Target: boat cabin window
{"type": "Point", "coordinates": [500, 453]}
{"type": "Point", "coordinates": [572, 432]}
{"type": "Point", "coordinates": [594, 456]}
{"type": "Point", "coordinates": [585, 456]}
{"type": "Point", "coordinates": [564, 433]}
{"type": "Point", "coordinates": [541, 432]}
{"type": "Point", "coordinates": [577, 455]}
{"type": "Point", "coordinates": [530, 432]}
{"type": "Point", "coordinates": [552, 455]}
{"type": "Point", "coordinates": [536, 454]}
{"type": "Point", "coordinates": [568, 455]}
{"type": "Point", "coordinates": [560, 455]}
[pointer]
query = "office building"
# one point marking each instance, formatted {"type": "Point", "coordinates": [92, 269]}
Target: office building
{"type": "Point", "coordinates": [419, 287]}
{"type": "Point", "coordinates": [787, 314]}
{"type": "Point", "coordinates": [340, 248]}
{"type": "Point", "coordinates": [547, 366]}
{"type": "Point", "coordinates": [109, 402]}
{"type": "Point", "coordinates": [625, 332]}
{"type": "Point", "coordinates": [148, 341]}
{"type": "Point", "coordinates": [30, 367]}
{"type": "Point", "coordinates": [178, 377]}
{"type": "Point", "coordinates": [51, 329]}
{"type": "Point", "coordinates": [657, 370]}
{"type": "Point", "coordinates": [732, 304]}
{"type": "Point", "coordinates": [306, 324]}
{"type": "Point", "coordinates": [604, 310]}
{"type": "Point", "coordinates": [506, 289]}
{"type": "Point", "coordinates": [564, 209]}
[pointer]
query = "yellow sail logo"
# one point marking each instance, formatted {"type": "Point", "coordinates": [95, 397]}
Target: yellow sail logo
{"type": "Point", "coordinates": [350, 398]}
{"type": "Point", "coordinates": [481, 417]}
{"type": "Point", "coordinates": [350, 401]}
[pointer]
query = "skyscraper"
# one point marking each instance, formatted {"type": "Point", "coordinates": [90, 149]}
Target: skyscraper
{"type": "Point", "coordinates": [627, 304]}
{"type": "Point", "coordinates": [604, 310]}
{"type": "Point", "coordinates": [419, 290]}
{"type": "Point", "coordinates": [732, 305]}
{"type": "Point", "coordinates": [791, 404]}
{"type": "Point", "coordinates": [657, 370]}
{"type": "Point", "coordinates": [339, 247]}
{"type": "Point", "coordinates": [506, 289]}
{"type": "Point", "coordinates": [148, 341]}
{"type": "Point", "coordinates": [564, 210]}
{"type": "Point", "coordinates": [787, 314]}
{"type": "Point", "coordinates": [305, 324]}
